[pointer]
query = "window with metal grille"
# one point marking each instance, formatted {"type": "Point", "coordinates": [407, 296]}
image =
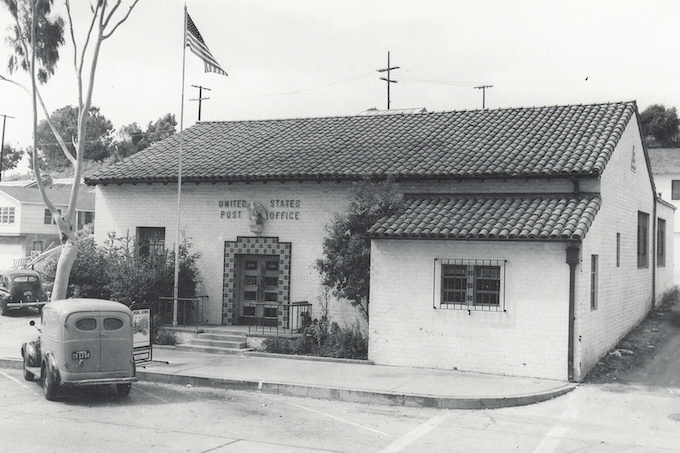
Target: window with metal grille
{"type": "Point", "coordinates": [471, 284]}
{"type": "Point", "coordinates": [150, 241]}
{"type": "Point", "coordinates": [6, 215]}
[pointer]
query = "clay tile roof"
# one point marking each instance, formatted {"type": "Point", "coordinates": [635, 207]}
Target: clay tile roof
{"type": "Point", "coordinates": [506, 143]}
{"type": "Point", "coordinates": [512, 217]}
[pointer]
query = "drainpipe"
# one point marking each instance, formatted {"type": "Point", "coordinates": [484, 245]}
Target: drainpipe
{"type": "Point", "coordinates": [573, 259]}
{"type": "Point", "coordinates": [655, 241]}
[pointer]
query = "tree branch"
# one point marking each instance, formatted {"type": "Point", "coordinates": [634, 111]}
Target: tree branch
{"type": "Point", "coordinates": [106, 36]}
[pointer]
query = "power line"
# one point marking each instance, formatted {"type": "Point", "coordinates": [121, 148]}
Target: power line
{"type": "Point", "coordinates": [388, 79]}
{"type": "Point", "coordinates": [303, 90]}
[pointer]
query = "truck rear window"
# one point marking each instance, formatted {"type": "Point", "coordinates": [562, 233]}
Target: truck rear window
{"type": "Point", "coordinates": [86, 324]}
{"type": "Point", "coordinates": [112, 323]}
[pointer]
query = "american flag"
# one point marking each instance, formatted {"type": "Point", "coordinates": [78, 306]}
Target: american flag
{"type": "Point", "coordinates": [196, 44]}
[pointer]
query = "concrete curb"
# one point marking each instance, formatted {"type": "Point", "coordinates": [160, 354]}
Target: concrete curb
{"type": "Point", "coordinates": [357, 396]}
{"type": "Point", "coordinates": [339, 394]}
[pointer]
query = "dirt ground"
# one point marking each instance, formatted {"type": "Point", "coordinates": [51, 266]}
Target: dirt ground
{"type": "Point", "coordinates": [649, 354]}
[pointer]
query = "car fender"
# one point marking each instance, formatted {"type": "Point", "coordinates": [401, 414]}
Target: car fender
{"type": "Point", "coordinates": [49, 358]}
{"type": "Point", "coordinates": [31, 350]}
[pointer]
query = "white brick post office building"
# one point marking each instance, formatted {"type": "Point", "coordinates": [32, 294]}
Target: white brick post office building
{"type": "Point", "coordinates": [530, 241]}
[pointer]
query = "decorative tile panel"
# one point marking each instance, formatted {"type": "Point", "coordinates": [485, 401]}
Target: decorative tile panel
{"type": "Point", "coordinates": [255, 246]}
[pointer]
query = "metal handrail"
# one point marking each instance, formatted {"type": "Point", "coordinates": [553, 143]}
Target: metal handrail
{"type": "Point", "coordinates": [294, 312]}
{"type": "Point", "coordinates": [190, 311]}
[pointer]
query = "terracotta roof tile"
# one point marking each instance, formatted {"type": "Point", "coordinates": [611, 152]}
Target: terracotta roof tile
{"type": "Point", "coordinates": [543, 217]}
{"type": "Point", "coordinates": [521, 142]}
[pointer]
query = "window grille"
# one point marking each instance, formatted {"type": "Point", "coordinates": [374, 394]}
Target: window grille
{"type": "Point", "coordinates": [470, 284]}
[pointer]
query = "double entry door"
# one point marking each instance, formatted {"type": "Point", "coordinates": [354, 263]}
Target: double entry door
{"type": "Point", "coordinates": [257, 289]}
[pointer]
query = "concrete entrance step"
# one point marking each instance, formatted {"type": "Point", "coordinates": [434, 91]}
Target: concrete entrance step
{"type": "Point", "coordinates": [228, 343]}
{"type": "Point", "coordinates": [236, 343]}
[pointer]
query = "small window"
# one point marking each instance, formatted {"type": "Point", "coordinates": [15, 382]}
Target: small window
{"type": "Point", "coordinates": [112, 323]}
{"type": "Point", "coordinates": [86, 324]}
{"type": "Point", "coordinates": [594, 264]}
{"type": "Point", "coordinates": [675, 189]}
{"type": "Point", "coordinates": [618, 249]}
{"type": "Point", "coordinates": [643, 240]}
{"type": "Point", "coordinates": [150, 241]}
{"type": "Point", "coordinates": [7, 215]}
{"type": "Point", "coordinates": [471, 284]}
{"type": "Point", "coordinates": [661, 243]}
{"type": "Point", "coordinates": [49, 220]}
{"type": "Point", "coordinates": [271, 281]}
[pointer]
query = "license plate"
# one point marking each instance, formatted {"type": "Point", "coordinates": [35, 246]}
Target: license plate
{"type": "Point", "coordinates": [77, 355]}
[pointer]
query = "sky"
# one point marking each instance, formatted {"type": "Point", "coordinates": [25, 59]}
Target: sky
{"type": "Point", "coordinates": [318, 58]}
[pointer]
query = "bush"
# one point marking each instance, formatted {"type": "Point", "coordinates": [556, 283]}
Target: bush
{"type": "Point", "coordinates": [114, 272]}
{"type": "Point", "coordinates": [165, 337]}
{"type": "Point", "coordinates": [322, 338]}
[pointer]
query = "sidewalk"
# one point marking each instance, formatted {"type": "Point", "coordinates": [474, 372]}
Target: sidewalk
{"type": "Point", "coordinates": [342, 380]}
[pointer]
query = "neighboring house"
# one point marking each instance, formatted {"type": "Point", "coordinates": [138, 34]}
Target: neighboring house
{"type": "Point", "coordinates": [26, 225]}
{"type": "Point", "coordinates": [531, 239]}
{"type": "Point", "coordinates": [666, 170]}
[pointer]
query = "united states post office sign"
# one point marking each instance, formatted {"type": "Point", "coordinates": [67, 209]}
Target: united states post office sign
{"type": "Point", "coordinates": [276, 209]}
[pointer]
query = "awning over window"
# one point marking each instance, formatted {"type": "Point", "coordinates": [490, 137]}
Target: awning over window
{"type": "Point", "coordinates": [509, 217]}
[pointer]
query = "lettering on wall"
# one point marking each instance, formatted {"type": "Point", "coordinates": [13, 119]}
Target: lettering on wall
{"type": "Point", "coordinates": [275, 209]}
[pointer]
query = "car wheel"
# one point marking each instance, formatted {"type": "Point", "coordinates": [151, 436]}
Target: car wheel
{"type": "Point", "coordinates": [27, 374]}
{"type": "Point", "coordinates": [3, 308]}
{"type": "Point", "coordinates": [50, 385]}
{"type": "Point", "coordinates": [123, 389]}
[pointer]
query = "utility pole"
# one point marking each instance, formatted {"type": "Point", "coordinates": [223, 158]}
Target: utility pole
{"type": "Point", "coordinates": [2, 142]}
{"type": "Point", "coordinates": [200, 98]}
{"type": "Point", "coordinates": [388, 79]}
{"type": "Point", "coordinates": [483, 88]}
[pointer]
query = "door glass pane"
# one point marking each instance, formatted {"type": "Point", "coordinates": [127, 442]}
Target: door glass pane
{"type": "Point", "coordinates": [272, 265]}
{"type": "Point", "coordinates": [112, 324]}
{"type": "Point", "coordinates": [86, 324]}
{"type": "Point", "coordinates": [251, 265]}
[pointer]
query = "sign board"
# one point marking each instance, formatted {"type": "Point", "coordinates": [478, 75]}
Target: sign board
{"type": "Point", "coordinates": [141, 337]}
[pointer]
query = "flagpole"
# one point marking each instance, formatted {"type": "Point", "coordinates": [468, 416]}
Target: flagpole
{"type": "Point", "coordinates": [179, 177]}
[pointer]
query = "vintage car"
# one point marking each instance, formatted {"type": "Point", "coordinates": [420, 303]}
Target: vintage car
{"type": "Point", "coordinates": [82, 342]}
{"type": "Point", "coordinates": [20, 289]}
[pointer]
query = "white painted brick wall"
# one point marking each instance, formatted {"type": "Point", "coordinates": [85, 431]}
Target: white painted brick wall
{"type": "Point", "coordinates": [123, 208]}
{"type": "Point", "coordinates": [529, 339]}
{"type": "Point", "coordinates": [625, 292]}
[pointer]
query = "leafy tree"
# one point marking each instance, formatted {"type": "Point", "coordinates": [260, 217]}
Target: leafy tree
{"type": "Point", "coordinates": [35, 47]}
{"type": "Point", "coordinates": [660, 124]}
{"type": "Point", "coordinates": [49, 33]}
{"type": "Point", "coordinates": [163, 128]}
{"type": "Point", "coordinates": [132, 139]}
{"type": "Point", "coordinates": [11, 157]}
{"type": "Point", "coordinates": [65, 120]}
{"type": "Point", "coordinates": [345, 265]}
